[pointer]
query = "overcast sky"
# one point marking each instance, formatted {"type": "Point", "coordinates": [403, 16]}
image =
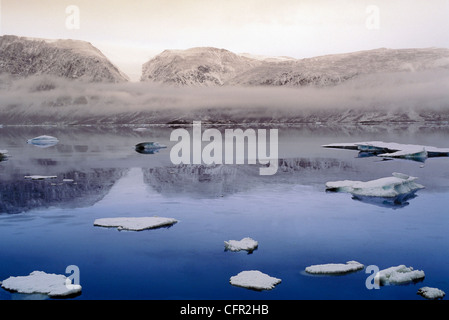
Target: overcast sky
{"type": "Point", "coordinates": [129, 32]}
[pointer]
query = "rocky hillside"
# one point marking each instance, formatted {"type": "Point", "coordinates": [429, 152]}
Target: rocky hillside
{"type": "Point", "coordinates": [196, 67]}
{"type": "Point", "coordinates": [219, 67]}
{"type": "Point", "coordinates": [71, 59]}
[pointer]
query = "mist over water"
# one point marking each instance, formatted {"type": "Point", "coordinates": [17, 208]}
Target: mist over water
{"type": "Point", "coordinates": [401, 96]}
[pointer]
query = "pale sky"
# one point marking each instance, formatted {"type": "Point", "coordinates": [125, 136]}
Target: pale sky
{"type": "Point", "coordinates": [130, 32]}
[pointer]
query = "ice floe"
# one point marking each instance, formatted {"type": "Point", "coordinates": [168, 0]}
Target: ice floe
{"type": "Point", "coordinates": [254, 279]}
{"type": "Point", "coordinates": [149, 147]}
{"type": "Point", "coordinates": [247, 244]}
{"type": "Point", "coordinates": [135, 224]}
{"type": "Point", "coordinates": [389, 187]}
{"type": "Point", "coordinates": [399, 275]}
{"type": "Point", "coordinates": [335, 268]}
{"type": "Point", "coordinates": [3, 154]}
{"type": "Point", "coordinates": [43, 141]}
{"type": "Point", "coordinates": [53, 285]}
{"type": "Point", "coordinates": [37, 177]}
{"type": "Point", "coordinates": [393, 150]}
{"type": "Point", "coordinates": [431, 293]}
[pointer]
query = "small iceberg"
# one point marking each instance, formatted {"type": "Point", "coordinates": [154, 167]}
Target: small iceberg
{"type": "Point", "coordinates": [431, 293]}
{"type": "Point", "coordinates": [416, 154]}
{"type": "Point", "coordinates": [141, 129]}
{"type": "Point", "coordinates": [135, 224]}
{"type": "Point", "coordinates": [335, 268]}
{"type": "Point", "coordinates": [254, 279]}
{"type": "Point", "coordinates": [389, 187]}
{"type": "Point", "coordinates": [392, 150]}
{"type": "Point", "coordinates": [36, 177]}
{"type": "Point", "coordinates": [43, 141]}
{"type": "Point", "coordinates": [399, 275]}
{"type": "Point", "coordinates": [247, 244]}
{"type": "Point", "coordinates": [3, 155]}
{"type": "Point", "coordinates": [39, 282]}
{"type": "Point", "coordinates": [149, 147]}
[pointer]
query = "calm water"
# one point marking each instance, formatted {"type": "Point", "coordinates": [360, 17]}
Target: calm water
{"type": "Point", "coordinates": [48, 225]}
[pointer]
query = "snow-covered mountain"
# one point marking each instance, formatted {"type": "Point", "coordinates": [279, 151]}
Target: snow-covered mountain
{"type": "Point", "coordinates": [197, 66]}
{"type": "Point", "coordinates": [218, 67]}
{"type": "Point", "coordinates": [71, 59]}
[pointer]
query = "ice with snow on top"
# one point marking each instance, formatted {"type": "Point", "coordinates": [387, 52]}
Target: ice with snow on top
{"type": "Point", "coordinates": [43, 141]}
{"type": "Point", "coordinates": [247, 244]}
{"type": "Point", "coordinates": [135, 223]}
{"type": "Point", "coordinates": [37, 177]}
{"type": "Point", "coordinates": [254, 279]}
{"type": "Point", "coordinates": [431, 293]}
{"type": "Point", "coordinates": [335, 268]}
{"type": "Point", "coordinates": [393, 150]}
{"type": "Point", "coordinates": [399, 275]}
{"type": "Point", "coordinates": [415, 154]}
{"type": "Point", "coordinates": [389, 187]}
{"type": "Point", "coordinates": [53, 285]}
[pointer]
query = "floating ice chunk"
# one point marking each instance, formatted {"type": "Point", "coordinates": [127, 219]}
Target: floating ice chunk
{"type": "Point", "coordinates": [335, 268]}
{"type": "Point", "coordinates": [43, 141]}
{"type": "Point", "coordinates": [399, 275]}
{"type": "Point", "coordinates": [53, 285]}
{"type": "Point", "coordinates": [415, 154]}
{"type": "Point", "coordinates": [141, 129]}
{"type": "Point", "coordinates": [247, 244]}
{"type": "Point", "coordinates": [3, 155]}
{"type": "Point", "coordinates": [388, 187]}
{"type": "Point", "coordinates": [37, 177]}
{"type": "Point", "coordinates": [149, 147]}
{"type": "Point", "coordinates": [255, 280]}
{"type": "Point", "coordinates": [135, 224]}
{"type": "Point", "coordinates": [393, 150]}
{"type": "Point", "coordinates": [344, 145]}
{"type": "Point", "coordinates": [431, 293]}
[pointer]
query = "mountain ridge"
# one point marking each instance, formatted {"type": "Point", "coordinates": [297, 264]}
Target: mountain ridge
{"type": "Point", "coordinates": [209, 66]}
{"type": "Point", "coordinates": [67, 58]}
{"type": "Point", "coordinates": [197, 66]}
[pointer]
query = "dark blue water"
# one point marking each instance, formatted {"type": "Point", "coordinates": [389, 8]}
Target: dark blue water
{"type": "Point", "coordinates": [48, 225]}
